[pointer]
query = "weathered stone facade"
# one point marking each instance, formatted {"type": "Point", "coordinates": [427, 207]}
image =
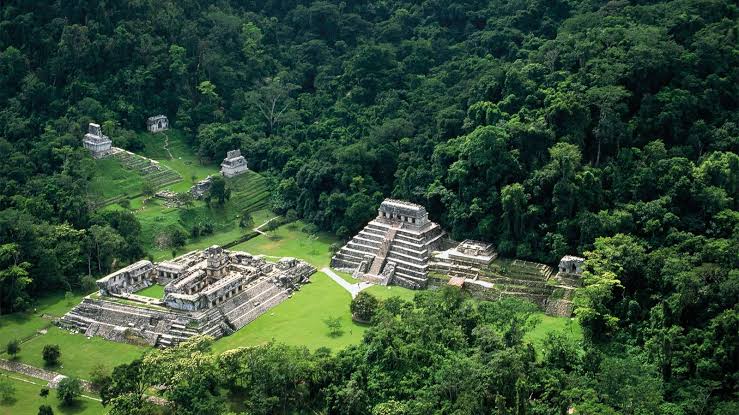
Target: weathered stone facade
{"type": "Point", "coordinates": [157, 123]}
{"type": "Point", "coordinates": [199, 189]}
{"type": "Point", "coordinates": [394, 248]}
{"type": "Point", "coordinates": [212, 292]}
{"type": "Point", "coordinates": [465, 260]}
{"type": "Point", "coordinates": [95, 141]}
{"type": "Point", "coordinates": [234, 164]}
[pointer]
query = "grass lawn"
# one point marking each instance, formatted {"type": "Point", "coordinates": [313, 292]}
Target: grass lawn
{"type": "Point", "coordinates": [153, 291]}
{"type": "Point", "coordinates": [23, 325]}
{"type": "Point", "coordinates": [27, 400]}
{"type": "Point", "coordinates": [299, 320]}
{"type": "Point", "coordinates": [184, 161]}
{"type": "Point", "coordinates": [547, 324]}
{"type": "Point", "coordinates": [79, 354]}
{"type": "Point", "coordinates": [111, 179]}
{"type": "Point", "coordinates": [289, 240]}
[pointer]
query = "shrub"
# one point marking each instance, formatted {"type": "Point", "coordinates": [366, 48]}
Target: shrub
{"type": "Point", "coordinates": [68, 390]}
{"type": "Point", "coordinates": [99, 376]}
{"type": "Point", "coordinates": [44, 392]}
{"type": "Point", "coordinates": [45, 410]}
{"type": "Point", "coordinates": [7, 390]}
{"type": "Point", "coordinates": [51, 354]}
{"type": "Point", "coordinates": [364, 306]}
{"type": "Point", "coordinates": [13, 348]}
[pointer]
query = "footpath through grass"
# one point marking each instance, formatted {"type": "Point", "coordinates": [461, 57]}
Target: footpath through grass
{"type": "Point", "coordinates": [26, 399]}
{"type": "Point", "coordinates": [79, 354]}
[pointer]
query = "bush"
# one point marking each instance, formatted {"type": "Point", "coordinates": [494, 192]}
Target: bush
{"type": "Point", "coordinates": [13, 348]}
{"type": "Point", "coordinates": [51, 354]}
{"type": "Point", "coordinates": [7, 390]}
{"type": "Point", "coordinates": [99, 377]}
{"type": "Point", "coordinates": [87, 284]}
{"type": "Point", "coordinates": [45, 410]}
{"type": "Point", "coordinates": [69, 390]}
{"type": "Point", "coordinates": [44, 392]}
{"type": "Point", "coordinates": [334, 326]}
{"type": "Point", "coordinates": [363, 307]}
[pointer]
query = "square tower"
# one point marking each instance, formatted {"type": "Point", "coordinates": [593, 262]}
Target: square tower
{"type": "Point", "coordinates": [95, 141]}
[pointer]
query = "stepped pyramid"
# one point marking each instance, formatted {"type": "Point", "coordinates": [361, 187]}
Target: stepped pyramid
{"type": "Point", "coordinates": [394, 248]}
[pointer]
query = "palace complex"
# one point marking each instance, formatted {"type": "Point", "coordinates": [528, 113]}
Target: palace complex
{"type": "Point", "coordinates": [213, 292]}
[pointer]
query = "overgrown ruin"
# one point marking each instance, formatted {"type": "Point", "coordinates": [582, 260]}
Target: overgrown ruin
{"type": "Point", "coordinates": [234, 164]}
{"type": "Point", "coordinates": [402, 246]}
{"type": "Point", "coordinates": [213, 292]}
{"type": "Point", "coordinates": [98, 143]}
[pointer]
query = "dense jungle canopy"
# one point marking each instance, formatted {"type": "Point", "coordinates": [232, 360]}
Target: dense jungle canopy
{"type": "Point", "coordinates": [609, 129]}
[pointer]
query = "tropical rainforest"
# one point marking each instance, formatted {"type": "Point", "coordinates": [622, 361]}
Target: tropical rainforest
{"type": "Point", "coordinates": [608, 129]}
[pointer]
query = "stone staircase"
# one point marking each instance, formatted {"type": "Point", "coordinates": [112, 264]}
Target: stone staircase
{"type": "Point", "coordinates": [381, 255]}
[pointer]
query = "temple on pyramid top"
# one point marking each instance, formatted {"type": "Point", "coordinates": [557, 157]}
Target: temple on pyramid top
{"type": "Point", "coordinates": [394, 248]}
{"type": "Point", "coordinates": [95, 141]}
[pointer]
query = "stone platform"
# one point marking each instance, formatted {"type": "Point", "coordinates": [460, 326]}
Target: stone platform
{"type": "Point", "coordinates": [394, 248]}
{"type": "Point", "coordinates": [213, 292]}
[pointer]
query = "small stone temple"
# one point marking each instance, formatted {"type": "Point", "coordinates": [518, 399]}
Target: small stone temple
{"type": "Point", "coordinates": [98, 144]}
{"type": "Point", "coordinates": [199, 189]}
{"type": "Point", "coordinates": [157, 123]}
{"type": "Point", "coordinates": [234, 164]}
{"type": "Point", "coordinates": [213, 292]}
{"type": "Point", "coordinates": [394, 248]}
{"type": "Point", "coordinates": [464, 260]}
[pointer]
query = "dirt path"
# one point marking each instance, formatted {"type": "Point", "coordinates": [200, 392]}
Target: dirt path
{"type": "Point", "coordinates": [258, 228]}
{"type": "Point", "coordinates": [353, 289]}
{"type": "Point", "coordinates": [166, 146]}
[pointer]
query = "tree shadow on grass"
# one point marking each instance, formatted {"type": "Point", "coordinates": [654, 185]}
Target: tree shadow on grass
{"type": "Point", "coordinates": [79, 406]}
{"type": "Point", "coordinates": [8, 402]}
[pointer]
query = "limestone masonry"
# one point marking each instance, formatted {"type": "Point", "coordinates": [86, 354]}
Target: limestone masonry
{"type": "Point", "coordinates": [402, 246]}
{"type": "Point", "coordinates": [213, 292]}
{"type": "Point", "coordinates": [234, 164]}
{"type": "Point", "coordinates": [394, 248]}
{"type": "Point", "coordinates": [95, 141]}
{"type": "Point", "coordinates": [157, 123]}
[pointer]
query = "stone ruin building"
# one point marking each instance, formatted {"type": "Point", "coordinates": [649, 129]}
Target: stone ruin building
{"type": "Point", "coordinates": [402, 246]}
{"type": "Point", "coordinates": [234, 164]}
{"type": "Point", "coordinates": [157, 123]}
{"type": "Point", "coordinates": [213, 292]}
{"type": "Point", "coordinates": [95, 141]}
{"type": "Point", "coordinates": [565, 281]}
{"type": "Point", "coordinates": [394, 248]}
{"type": "Point", "coordinates": [464, 260]}
{"type": "Point", "coordinates": [199, 189]}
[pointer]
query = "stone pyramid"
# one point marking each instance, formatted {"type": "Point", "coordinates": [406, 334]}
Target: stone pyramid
{"type": "Point", "coordinates": [394, 248]}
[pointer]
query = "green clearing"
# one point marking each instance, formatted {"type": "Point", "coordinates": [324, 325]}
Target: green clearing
{"type": "Point", "coordinates": [79, 354]}
{"type": "Point", "coordinates": [184, 161]}
{"type": "Point", "coordinates": [23, 325]}
{"type": "Point", "coordinates": [152, 291]}
{"type": "Point", "coordinates": [112, 180]}
{"type": "Point", "coordinates": [249, 194]}
{"type": "Point", "coordinates": [300, 320]}
{"type": "Point", "coordinates": [549, 324]}
{"type": "Point", "coordinates": [288, 240]}
{"type": "Point", "coordinates": [27, 400]}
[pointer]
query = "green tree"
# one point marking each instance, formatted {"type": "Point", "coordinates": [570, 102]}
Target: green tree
{"type": "Point", "coordinates": [68, 390]}
{"type": "Point", "coordinates": [51, 354]}
{"type": "Point", "coordinates": [45, 410]}
{"type": "Point", "coordinates": [333, 324]}
{"type": "Point", "coordinates": [364, 306]}
{"type": "Point", "coordinates": [7, 389]}
{"type": "Point", "coordinates": [13, 348]}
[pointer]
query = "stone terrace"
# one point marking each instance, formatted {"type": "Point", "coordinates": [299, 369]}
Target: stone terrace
{"type": "Point", "coordinates": [393, 248]}
{"type": "Point", "coordinates": [212, 292]}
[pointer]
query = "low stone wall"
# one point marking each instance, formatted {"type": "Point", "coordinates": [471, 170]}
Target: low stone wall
{"type": "Point", "coordinates": [34, 372]}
